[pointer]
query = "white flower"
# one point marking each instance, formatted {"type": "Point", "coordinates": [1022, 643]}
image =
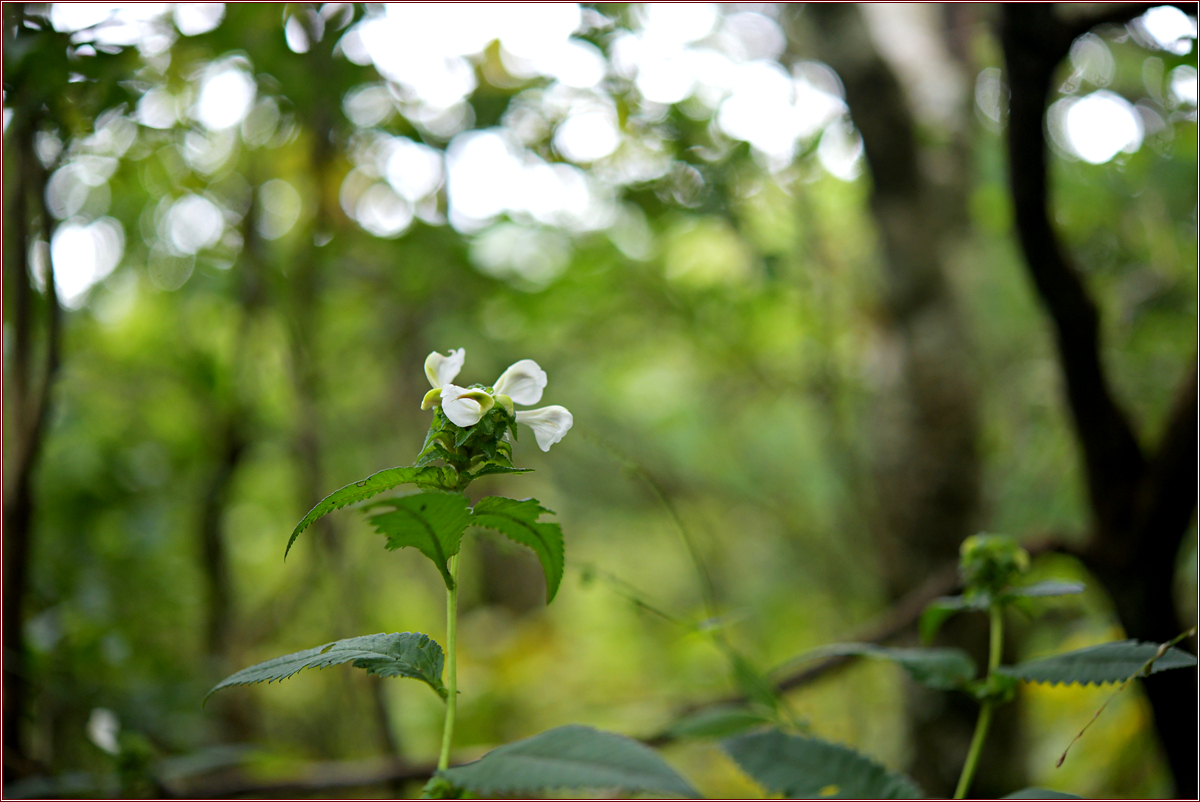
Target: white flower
{"type": "Point", "coordinates": [465, 407]}
{"type": "Point", "coordinates": [442, 369]}
{"type": "Point", "coordinates": [522, 383]}
{"type": "Point", "coordinates": [549, 424]}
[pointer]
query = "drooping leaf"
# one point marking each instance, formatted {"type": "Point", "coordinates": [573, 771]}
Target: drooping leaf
{"type": "Point", "coordinates": [716, 722]}
{"type": "Point", "coordinates": [400, 654]}
{"type": "Point", "coordinates": [573, 756]}
{"type": "Point", "coordinates": [518, 520]}
{"type": "Point", "coordinates": [940, 609]}
{"type": "Point", "coordinates": [1108, 662]}
{"type": "Point", "coordinates": [942, 669]}
{"type": "Point", "coordinates": [1051, 587]}
{"type": "Point", "coordinates": [431, 522]}
{"type": "Point", "coordinates": [1040, 793]}
{"type": "Point", "coordinates": [796, 766]}
{"type": "Point", "coordinates": [374, 484]}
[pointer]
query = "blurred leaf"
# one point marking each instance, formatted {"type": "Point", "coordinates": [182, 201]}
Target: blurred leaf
{"type": "Point", "coordinates": [374, 484]}
{"type": "Point", "coordinates": [1108, 662]}
{"type": "Point", "coordinates": [1050, 587]}
{"type": "Point", "coordinates": [716, 722]}
{"type": "Point", "coordinates": [752, 682]}
{"type": "Point", "coordinates": [400, 654]}
{"type": "Point", "coordinates": [570, 757]}
{"type": "Point", "coordinates": [795, 766]}
{"type": "Point", "coordinates": [1040, 793]}
{"type": "Point", "coordinates": [432, 523]}
{"type": "Point", "coordinates": [944, 669]}
{"type": "Point", "coordinates": [518, 521]}
{"type": "Point", "coordinates": [940, 609]}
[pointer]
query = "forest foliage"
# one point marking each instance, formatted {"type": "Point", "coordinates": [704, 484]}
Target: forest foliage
{"type": "Point", "coordinates": [804, 363]}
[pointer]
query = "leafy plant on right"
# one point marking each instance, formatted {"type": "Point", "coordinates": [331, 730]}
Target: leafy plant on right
{"type": "Point", "coordinates": [991, 566]}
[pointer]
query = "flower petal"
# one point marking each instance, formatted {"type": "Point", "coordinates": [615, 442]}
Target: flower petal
{"type": "Point", "coordinates": [549, 424]}
{"type": "Point", "coordinates": [465, 407]}
{"type": "Point", "coordinates": [432, 398]}
{"type": "Point", "coordinates": [442, 369]}
{"type": "Point", "coordinates": [523, 382]}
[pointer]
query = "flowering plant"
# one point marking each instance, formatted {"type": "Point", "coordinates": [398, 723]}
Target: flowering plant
{"type": "Point", "coordinates": [471, 435]}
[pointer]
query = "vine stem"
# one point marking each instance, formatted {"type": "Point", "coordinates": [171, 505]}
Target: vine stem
{"type": "Point", "coordinates": [451, 667]}
{"type": "Point", "coordinates": [985, 711]}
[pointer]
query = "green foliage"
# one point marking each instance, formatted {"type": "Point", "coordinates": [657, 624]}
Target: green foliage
{"type": "Point", "coordinates": [373, 485]}
{"type": "Point", "coordinates": [1051, 587]}
{"type": "Point", "coordinates": [400, 654]}
{"type": "Point", "coordinates": [570, 757]}
{"type": "Point", "coordinates": [943, 607]}
{"type": "Point", "coordinates": [716, 722]}
{"type": "Point", "coordinates": [940, 609]}
{"type": "Point", "coordinates": [518, 521]}
{"type": "Point", "coordinates": [1096, 665]}
{"type": "Point", "coordinates": [989, 563]}
{"type": "Point", "coordinates": [431, 522]}
{"type": "Point", "coordinates": [1040, 793]}
{"type": "Point", "coordinates": [942, 668]}
{"type": "Point", "coordinates": [795, 766]}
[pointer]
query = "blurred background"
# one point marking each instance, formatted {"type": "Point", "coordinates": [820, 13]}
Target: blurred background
{"type": "Point", "coordinates": [771, 260]}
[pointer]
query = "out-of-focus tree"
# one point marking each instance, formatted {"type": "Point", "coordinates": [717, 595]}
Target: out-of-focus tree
{"type": "Point", "coordinates": [787, 289]}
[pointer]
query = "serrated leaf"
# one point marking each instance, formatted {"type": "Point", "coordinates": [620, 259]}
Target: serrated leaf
{"type": "Point", "coordinates": [493, 468]}
{"type": "Point", "coordinates": [1051, 587]}
{"type": "Point", "coordinates": [944, 669]}
{"type": "Point", "coordinates": [373, 485]}
{"type": "Point", "coordinates": [518, 521]}
{"type": "Point", "coordinates": [400, 654]}
{"type": "Point", "coordinates": [1108, 662]}
{"type": "Point", "coordinates": [1040, 793]}
{"type": "Point", "coordinates": [716, 722]}
{"type": "Point", "coordinates": [796, 766]}
{"type": "Point", "coordinates": [431, 522]}
{"type": "Point", "coordinates": [433, 452]}
{"type": "Point", "coordinates": [570, 757]}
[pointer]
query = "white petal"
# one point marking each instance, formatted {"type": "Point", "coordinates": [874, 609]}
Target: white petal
{"type": "Point", "coordinates": [549, 424]}
{"type": "Point", "coordinates": [442, 369]}
{"type": "Point", "coordinates": [523, 382]}
{"type": "Point", "coordinates": [460, 407]}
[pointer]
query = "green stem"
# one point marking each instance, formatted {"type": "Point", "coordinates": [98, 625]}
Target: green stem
{"type": "Point", "coordinates": [451, 666]}
{"type": "Point", "coordinates": [985, 711]}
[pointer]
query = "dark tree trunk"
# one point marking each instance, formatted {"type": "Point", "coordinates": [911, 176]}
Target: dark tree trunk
{"type": "Point", "coordinates": [1141, 505]}
{"type": "Point", "coordinates": [926, 464]}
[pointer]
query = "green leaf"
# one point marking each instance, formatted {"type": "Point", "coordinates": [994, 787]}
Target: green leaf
{"type": "Point", "coordinates": [492, 467]}
{"type": "Point", "coordinates": [431, 522]}
{"type": "Point", "coordinates": [1040, 793]}
{"type": "Point", "coordinates": [400, 654]}
{"type": "Point", "coordinates": [518, 520]}
{"type": "Point", "coordinates": [752, 682]}
{"type": "Point", "coordinates": [716, 722]}
{"type": "Point", "coordinates": [1108, 662]}
{"type": "Point", "coordinates": [570, 757]}
{"type": "Point", "coordinates": [1050, 587]}
{"type": "Point", "coordinates": [943, 669]}
{"type": "Point", "coordinates": [372, 485]}
{"type": "Point", "coordinates": [940, 609]}
{"type": "Point", "coordinates": [796, 766]}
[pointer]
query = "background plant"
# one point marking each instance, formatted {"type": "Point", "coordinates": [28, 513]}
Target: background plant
{"type": "Point", "coordinates": [809, 388]}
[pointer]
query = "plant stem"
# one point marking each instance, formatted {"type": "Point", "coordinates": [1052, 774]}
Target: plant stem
{"type": "Point", "coordinates": [451, 666]}
{"type": "Point", "coordinates": [985, 711]}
